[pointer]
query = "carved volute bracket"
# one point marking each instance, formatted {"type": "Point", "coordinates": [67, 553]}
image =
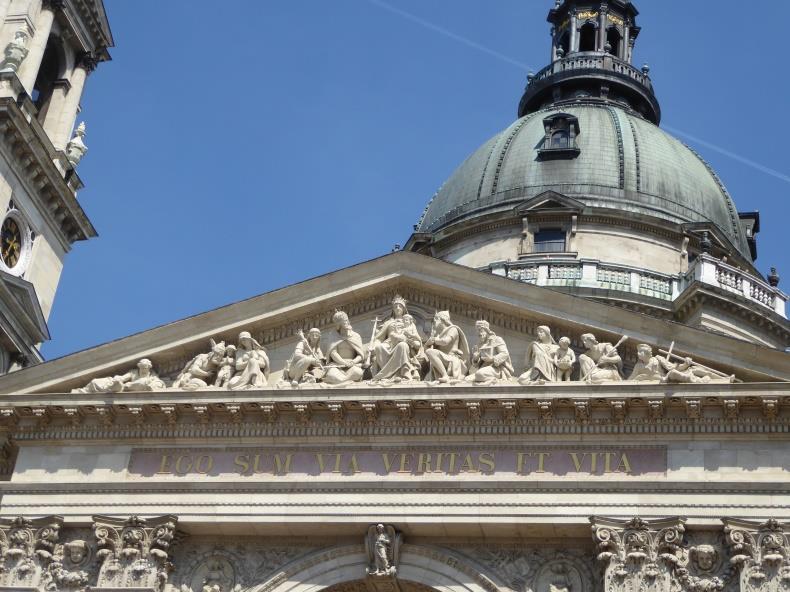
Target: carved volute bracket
{"type": "Point", "coordinates": [134, 552]}
{"type": "Point", "coordinates": [382, 544]}
{"type": "Point", "coordinates": [638, 555]}
{"type": "Point", "coordinates": [761, 553]}
{"type": "Point", "coordinates": [28, 549]}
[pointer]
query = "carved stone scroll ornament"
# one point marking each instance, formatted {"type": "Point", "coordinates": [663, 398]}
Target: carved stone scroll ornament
{"type": "Point", "coordinates": [383, 548]}
{"type": "Point", "coordinates": [762, 554]}
{"type": "Point", "coordinates": [638, 555]}
{"type": "Point", "coordinates": [28, 551]}
{"type": "Point", "coordinates": [134, 553]}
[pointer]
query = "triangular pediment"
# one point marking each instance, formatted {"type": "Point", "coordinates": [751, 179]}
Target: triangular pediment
{"type": "Point", "coordinates": [365, 291]}
{"type": "Point", "coordinates": [549, 201]}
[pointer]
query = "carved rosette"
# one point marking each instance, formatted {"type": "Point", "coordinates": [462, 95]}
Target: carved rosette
{"type": "Point", "coordinates": [134, 553]}
{"type": "Point", "coordinates": [28, 549]}
{"type": "Point", "coordinates": [761, 553]}
{"type": "Point", "coordinates": [638, 555]}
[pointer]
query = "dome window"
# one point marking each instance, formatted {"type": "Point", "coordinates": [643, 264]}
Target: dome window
{"type": "Point", "coordinates": [560, 139]}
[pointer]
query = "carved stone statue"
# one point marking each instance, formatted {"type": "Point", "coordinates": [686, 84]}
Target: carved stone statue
{"type": "Point", "coordinates": [491, 359]}
{"type": "Point", "coordinates": [391, 350]}
{"type": "Point", "coordinates": [227, 368]}
{"type": "Point", "coordinates": [447, 349]}
{"type": "Point", "coordinates": [15, 52]}
{"type": "Point", "coordinates": [382, 545]}
{"type": "Point", "coordinates": [346, 353]}
{"type": "Point", "coordinates": [661, 369]}
{"type": "Point", "coordinates": [143, 379]}
{"type": "Point", "coordinates": [252, 365]}
{"type": "Point", "coordinates": [540, 359]}
{"type": "Point", "coordinates": [306, 365]}
{"type": "Point", "coordinates": [76, 148]}
{"type": "Point", "coordinates": [564, 359]}
{"type": "Point", "coordinates": [601, 362]}
{"type": "Point", "coordinates": [416, 348]}
{"type": "Point", "coordinates": [201, 369]}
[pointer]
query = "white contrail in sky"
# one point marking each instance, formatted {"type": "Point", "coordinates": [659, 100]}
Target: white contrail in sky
{"type": "Point", "coordinates": [502, 57]}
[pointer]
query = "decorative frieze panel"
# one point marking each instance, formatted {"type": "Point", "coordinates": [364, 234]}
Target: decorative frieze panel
{"type": "Point", "coordinates": [761, 553]}
{"type": "Point", "coordinates": [134, 553]}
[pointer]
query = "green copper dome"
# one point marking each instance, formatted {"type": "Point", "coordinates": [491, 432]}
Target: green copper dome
{"type": "Point", "coordinates": [625, 163]}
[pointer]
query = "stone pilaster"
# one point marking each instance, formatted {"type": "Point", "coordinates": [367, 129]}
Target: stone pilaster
{"type": "Point", "coordinates": [28, 549]}
{"type": "Point", "coordinates": [638, 555]}
{"type": "Point", "coordinates": [134, 552]}
{"type": "Point", "coordinates": [761, 553]}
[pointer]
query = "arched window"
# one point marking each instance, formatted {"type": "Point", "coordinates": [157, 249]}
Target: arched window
{"type": "Point", "coordinates": [51, 70]}
{"type": "Point", "coordinates": [560, 139]}
{"type": "Point", "coordinates": [587, 37]}
{"type": "Point", "coordinates": [613, 38]}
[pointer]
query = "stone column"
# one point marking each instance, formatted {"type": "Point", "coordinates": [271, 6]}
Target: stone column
{"type": "Point", "coordinates": [602, 27]}
{"type": "Point", "coordinates": [60, 130]}
{"type": "Point", "coordinates": [60, 91]}
{"type": "Point", "coordinates": [553, 44]}
{"type": "Point", "coordinates": [761, 553]}
{"type": "Point", "coordinates": [574, 45]}
{"type": "Point", "coordinates": [28, 72]}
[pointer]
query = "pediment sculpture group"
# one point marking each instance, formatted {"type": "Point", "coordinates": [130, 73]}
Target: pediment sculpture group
{"type": "Point", "coordinates": [397, 354]}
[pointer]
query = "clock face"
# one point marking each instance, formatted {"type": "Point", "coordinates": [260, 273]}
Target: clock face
{"type": "Point", "coordinates": [10, 242]}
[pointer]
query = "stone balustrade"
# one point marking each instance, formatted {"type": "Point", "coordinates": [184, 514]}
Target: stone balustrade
{"type": "Point", "coordinates": [593, 60]}
{"type": "Point", "coordinates": [583, 273]}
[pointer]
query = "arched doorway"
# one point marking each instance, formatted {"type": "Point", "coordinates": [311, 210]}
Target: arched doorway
{"type": "Point", "coordinates": [342, 569]}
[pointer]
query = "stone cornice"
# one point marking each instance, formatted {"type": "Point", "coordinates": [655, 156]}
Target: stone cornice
{"type": "Point", "coordinates": [33, 156]}
{"type": "Point", "coordinates": [408, 411]}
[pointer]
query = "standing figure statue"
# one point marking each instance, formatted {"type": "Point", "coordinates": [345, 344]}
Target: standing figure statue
{"type": "Point", "coordinates": [540, 359]}
{"type": "Point", "coordinates": [447, 350]}
{"type": "Point", "coordinates": [416, 349]}
{"type": "Point", "coordinates": [227, 368]}
{"type": "Point", "coordinates": [199, 371]}
{"type": "Point", "coordinates": [391, 358]}
{"type": "Point", "coordinates": [564, 359]}
{"type": "Point", "coordinates": [306, 365]}
{"type": "Point", "coordinates": [601, 362]}
{"type": "Point", "coordinates": [491, 359]}
{"type": "Point", "coordinates": [252, 365]}
{"type": "Point", "coordinates": [382, 546]}
{"type": "Point", "coordinates": [142, 379]}
{"type": "Point", "coordinates": [346, 353]}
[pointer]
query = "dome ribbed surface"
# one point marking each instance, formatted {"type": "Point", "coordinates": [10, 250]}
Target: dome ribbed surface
{"type": "Point", "coordinates": [626, 163]}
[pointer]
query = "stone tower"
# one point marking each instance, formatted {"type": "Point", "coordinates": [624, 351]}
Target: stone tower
{"type": "Point", "coordinates": [585, 194]}
{"type": "Point", "coordinates": [50, 48]}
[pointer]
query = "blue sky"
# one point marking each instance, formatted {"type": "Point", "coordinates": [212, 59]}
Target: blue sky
{"type": "Point", "coordinates": [244, 145]}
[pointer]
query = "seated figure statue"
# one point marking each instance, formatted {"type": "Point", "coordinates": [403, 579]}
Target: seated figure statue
{"type": "Point", "coordinates": [199, 371]}
{"type": "Point", "coordinates": [345, 355]}
{"type": "Point", "coordinates": [393, 355]}
{"type": "Point", "coordinates": [540, 359]}
{"type": "Point", "coordinates": [306, 365]}
{"type": "Point", "coordinates": [252, 365]}
{"type": "Point", "coordinates": [447, 350]}
{"type": "Point", "coordinates": [141, 379]}
{"type": "Point", "coordinates": [490, 358]}
{"type": "Point", "coordinates": [601, 362]}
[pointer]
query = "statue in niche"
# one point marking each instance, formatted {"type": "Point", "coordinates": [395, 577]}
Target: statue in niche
{"type": "Point", "coordinates": [601, 362]}
{"type": "Point", "coordinates": [227, 368]}
{"type": "Point", "coordinates": [659, 368]}
{"type": "Point", "coordinates": [392, 347]}
{"type": "Point", "coordinates": [306, 365]}
{"type": "Point", "coordinates": [15, 52]}
{"type": "Point", "coordinates": [141, 379]}
{"type": "Point", "coordinates": [447, 349]}
{"type": "Point", "coordinates": [252, 365]}
{"type": "Point", "coordinates": [199, 371]}
{"type": "Point", "coordinates": [345, 355]}
{"type": "Point", "coordinates": [491, 359]}
{"type": "Point", "coordinates": [540, 359]}
{"type": "Point", "coordinates": [382, 545]}
{"type": "Point", "coordinates": [564, 359]}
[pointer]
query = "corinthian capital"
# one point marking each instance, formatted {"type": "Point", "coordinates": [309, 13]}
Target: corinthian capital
{"type": "Point", "coordinates": [761, 551]}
